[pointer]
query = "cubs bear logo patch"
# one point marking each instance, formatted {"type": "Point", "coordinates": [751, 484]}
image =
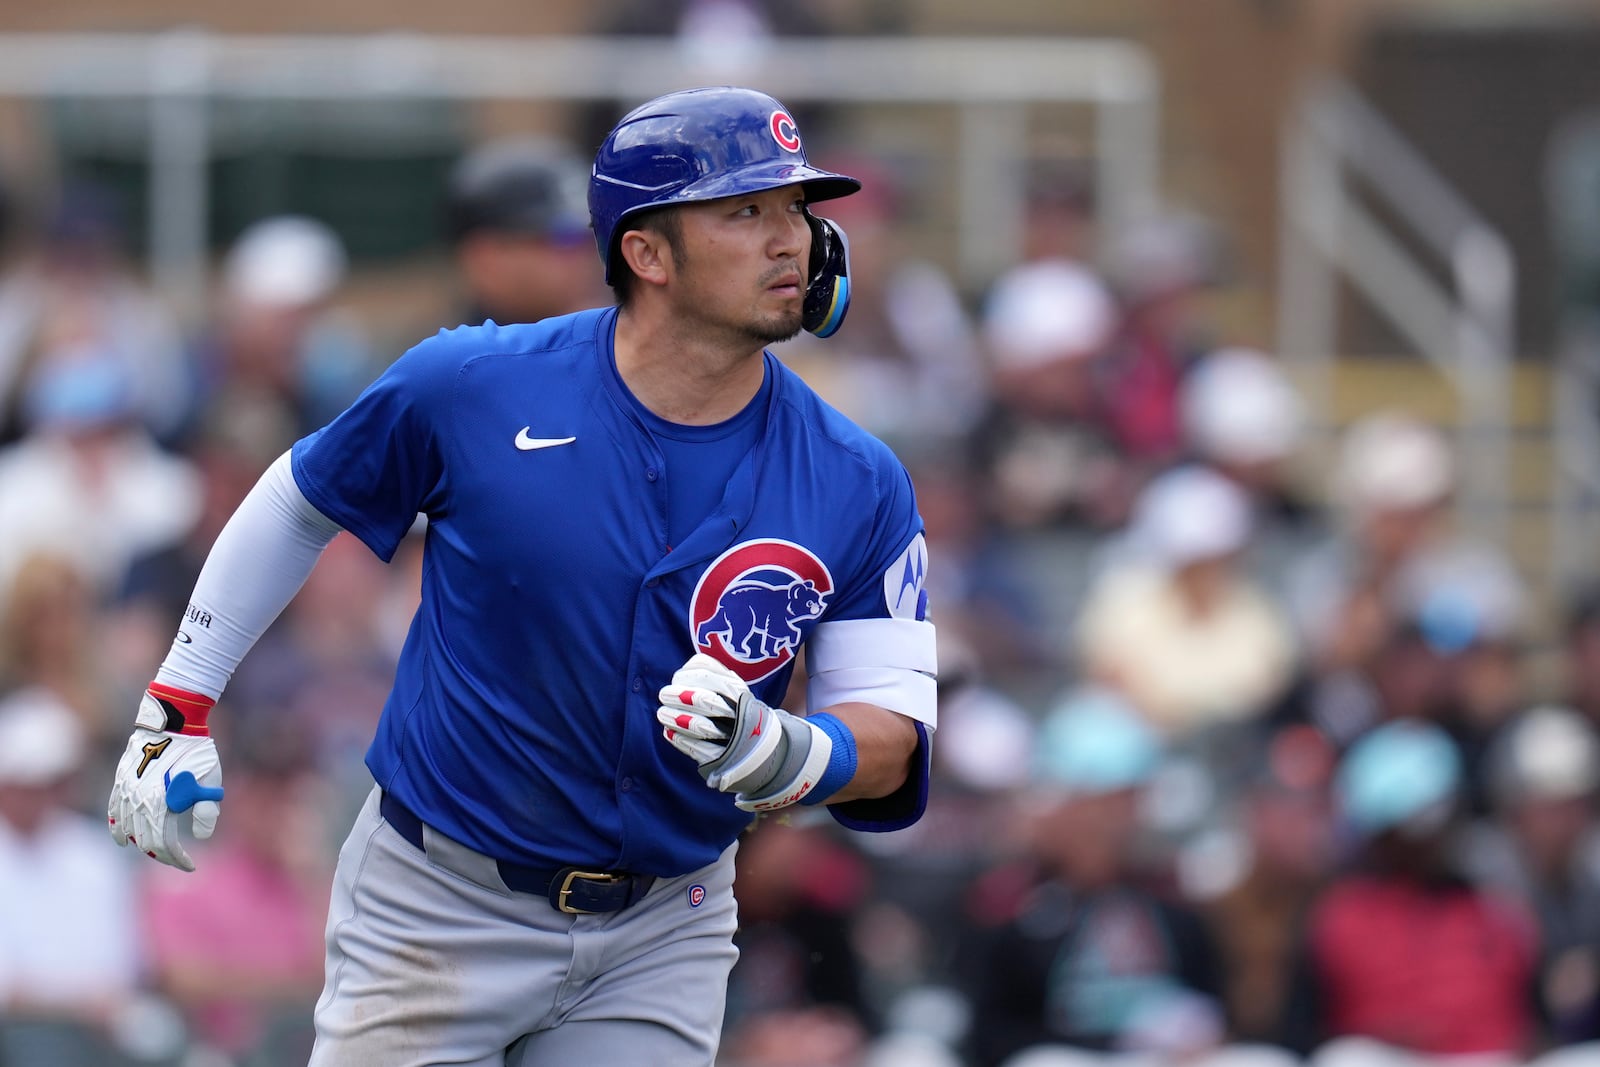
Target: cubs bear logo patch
{"type": "Point", "coordinates": [748, 605]}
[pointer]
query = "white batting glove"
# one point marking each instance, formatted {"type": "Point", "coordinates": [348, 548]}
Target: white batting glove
{"type": "Point", "coordinates": [765, 756]}
{"type": "Point", "coordinates": [169, 778]}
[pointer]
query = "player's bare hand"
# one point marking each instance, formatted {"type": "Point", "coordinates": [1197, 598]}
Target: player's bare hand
{"type": "Point", "coordinates": [165, 782]}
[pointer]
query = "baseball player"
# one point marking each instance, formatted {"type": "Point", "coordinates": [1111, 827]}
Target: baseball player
{"type": "Point", "coordinates": [519, 230]}
{"type": "Point", "coordinates": [636, 518]}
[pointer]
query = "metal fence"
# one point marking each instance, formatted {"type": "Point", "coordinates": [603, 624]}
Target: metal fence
{"type": "Point", "coordinates": [991, 84]}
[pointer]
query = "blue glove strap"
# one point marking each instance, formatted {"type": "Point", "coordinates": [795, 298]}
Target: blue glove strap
{"type": "Point", "coordinates": [841, 765]}
{"type": "Point", "coordinates": [184, 791]}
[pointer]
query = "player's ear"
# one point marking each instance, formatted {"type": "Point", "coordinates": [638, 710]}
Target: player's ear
{"type": "Point", "coordinates": [647, 253]}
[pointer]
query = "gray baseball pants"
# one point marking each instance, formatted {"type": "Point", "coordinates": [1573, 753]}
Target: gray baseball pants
{"type": "Point", "coordinates": [432, 961]}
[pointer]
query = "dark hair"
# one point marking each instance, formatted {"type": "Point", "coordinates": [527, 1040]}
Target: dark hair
{"type": "Point", "coordinates": [668, 222]}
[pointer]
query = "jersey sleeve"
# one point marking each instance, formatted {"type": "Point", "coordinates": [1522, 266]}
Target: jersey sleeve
{"type": "Point", "coordinates": [877, 645]}
{"type": "Point", "coordinates": [380, 461]}
{"type": "Point", "coordinates": [872, 591]}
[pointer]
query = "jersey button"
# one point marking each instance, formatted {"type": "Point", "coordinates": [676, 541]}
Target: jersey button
{"type": "Point", "coordinates": [651, 473]}
{"type": "Point", "coordinates": [652, 583]}
{"type": "Point", "coordinates": [626, 785]}
{"type": "Point", "coordinates": [638, 684]}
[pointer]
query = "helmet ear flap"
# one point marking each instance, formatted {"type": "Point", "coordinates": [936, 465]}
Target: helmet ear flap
{"type": "Point", "coordinates": [828, 286]}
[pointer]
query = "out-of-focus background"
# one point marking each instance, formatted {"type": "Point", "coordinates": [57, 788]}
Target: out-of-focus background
{"type": "Point", "coordinates": [1246, 355]}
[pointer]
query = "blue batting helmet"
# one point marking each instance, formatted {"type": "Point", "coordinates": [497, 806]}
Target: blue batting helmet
{"type": "Point", "coordinates": [699, 144]}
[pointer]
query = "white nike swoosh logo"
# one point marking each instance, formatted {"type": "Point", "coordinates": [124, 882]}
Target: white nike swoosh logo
{"type": "Point", "coordinates": [528, 444]}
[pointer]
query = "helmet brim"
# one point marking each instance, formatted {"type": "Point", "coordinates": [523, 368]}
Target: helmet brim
{"type": "Point", "coordinates": [773, 174]}
{"type": "Point", "coordinates": [819, 185]}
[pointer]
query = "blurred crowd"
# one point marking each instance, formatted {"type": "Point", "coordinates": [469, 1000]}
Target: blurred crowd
{"type": "Point", "coordinates": [1238, 760]}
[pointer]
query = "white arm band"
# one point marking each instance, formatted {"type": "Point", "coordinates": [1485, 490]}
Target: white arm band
{"type": "Point", "coordinates": [892, 663]}
{"type": "Point", "coordinates": [259, 562]}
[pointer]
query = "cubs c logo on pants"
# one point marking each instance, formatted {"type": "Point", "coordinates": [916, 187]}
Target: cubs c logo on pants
{"type": "Point", "coordinates": [748, 604]}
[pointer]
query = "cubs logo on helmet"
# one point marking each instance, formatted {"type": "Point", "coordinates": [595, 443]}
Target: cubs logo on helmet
{"type": "Point", "coordinates": [748, 604]}
{"type": "Point", "coordinates": [785, 132]}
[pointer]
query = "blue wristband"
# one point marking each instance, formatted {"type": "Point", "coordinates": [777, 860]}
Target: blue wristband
{"type": "Point", "coordinates": [841, 765]}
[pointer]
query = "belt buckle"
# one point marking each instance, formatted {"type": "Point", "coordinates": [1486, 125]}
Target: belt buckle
{"type": "Point", "coordinates": [588, 876]}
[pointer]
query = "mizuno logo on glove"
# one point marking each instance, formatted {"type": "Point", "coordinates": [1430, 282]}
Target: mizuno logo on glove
{"type": "Point", "coordinates": [152, 751]}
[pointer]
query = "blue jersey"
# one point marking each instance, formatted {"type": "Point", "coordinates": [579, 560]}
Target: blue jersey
{"type": "Point", "coordinates": [523, 716]}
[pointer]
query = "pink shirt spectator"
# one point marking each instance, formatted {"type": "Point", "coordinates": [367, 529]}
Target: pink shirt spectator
{"type": "Point", "coordinates": [236, 941]}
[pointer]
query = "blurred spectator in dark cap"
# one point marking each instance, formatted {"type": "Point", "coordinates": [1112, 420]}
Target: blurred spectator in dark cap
{"type": "Point", "coordinates": [517, 219]}
{"type": "Point", "coordinates": [71, 292]}
{"type": "Point", "coordinates": [279, 349]}
{"type": "Point", "coordinates": [1400, 949]}
{"type": "Point", "coordinates": [1543, 845]}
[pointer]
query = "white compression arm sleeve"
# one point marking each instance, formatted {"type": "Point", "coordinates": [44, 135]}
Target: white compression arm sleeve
{"type": "Point", "coordinates": [259, 562]}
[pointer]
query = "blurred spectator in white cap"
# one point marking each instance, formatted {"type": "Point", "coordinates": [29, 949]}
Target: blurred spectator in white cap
{"type": "Point", "coordinates": [1045, 326]}
{"type": "Point", "coordinates": [1175, 622]}
{"type": "Point", "coordinates": [1098, 955]}
{"type": "Point", "coordinates": [1399, 948]}
{"type": "Point", "coordinates": [69, 953]}
{"type": "Point", "coordinates": [71, 295]}
{"type": "Point", "coordinates": [89, 483]}
{"type": "Point", "coordinates": [279, 349]}
{"type": "Point", "coordinates": [1543, 845]}
{"type": "Point", "coordinates": [1391, 488]}
{"type": "Point", "coordinates": [1243, 418]}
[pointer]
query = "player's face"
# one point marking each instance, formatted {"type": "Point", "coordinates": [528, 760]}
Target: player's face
{"type": "Point", "coordinates": [742, 267]}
